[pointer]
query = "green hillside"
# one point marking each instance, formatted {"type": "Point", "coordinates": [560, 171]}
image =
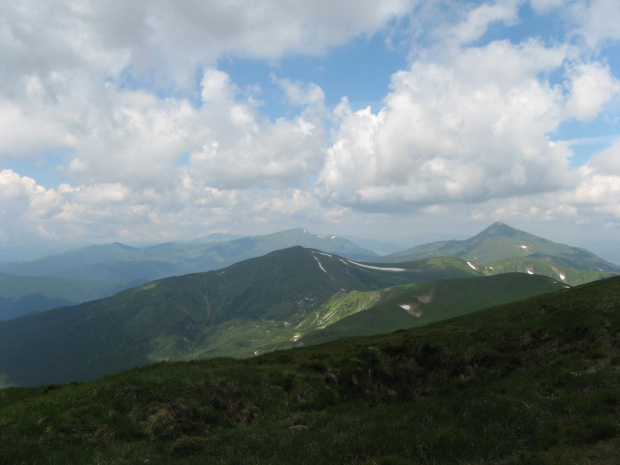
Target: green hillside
{"type": "Point", "coordinates": [499, 241]}
{"type": "Point", "coordinates": [532, 382]}
{"type": "Point", "coordinates": [569, 271]}
{"type": "Point", "coordinates": [20, 295]}
{"type": "Point", "coordinates": [419, 304]}
{"type": "Point", "coordinates": [255, 305]}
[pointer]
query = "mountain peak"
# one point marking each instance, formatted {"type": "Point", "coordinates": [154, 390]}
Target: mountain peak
{"type": "Point", "coordinates": [499, 229]}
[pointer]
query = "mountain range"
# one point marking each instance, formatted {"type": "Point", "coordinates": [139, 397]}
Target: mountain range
{"type": "Point", "coordinates": [102, 270]}
{"type": "Point", "coordinates": [257, 305]}
{"type": "Point", "coordinates": [288, 297]}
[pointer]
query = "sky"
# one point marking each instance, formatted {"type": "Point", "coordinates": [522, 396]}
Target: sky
{"type": "Point", "coordinates": [155, 120]}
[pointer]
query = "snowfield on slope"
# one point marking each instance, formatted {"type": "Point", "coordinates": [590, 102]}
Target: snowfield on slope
{"type": "Point", "coordinates": [377, 268]}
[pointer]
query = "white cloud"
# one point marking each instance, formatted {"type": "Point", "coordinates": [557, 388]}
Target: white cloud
{"type": "Point", "coordinates": [155, 150]}
{"type": "Point", "coordinates": [479, 18]}
{"type": "Point", "coordinates": [173, 38]}
{"type": "Point", "coordinates": [545, 6]}
{"type": "Point", "coordinates": [608, 160]}
{"type": "Point", "coordinates": [467, 130]}
{"type": "Point", "coordinates": [597, 21]}
{"type": "Point", "coordinates": [301, 93]}
{"type": "Point", "coordinates": [591, 86]}
{"type": "Point", "coordinates": [239, 148]}
{"type": "Point", "coordinates": [138, 139]}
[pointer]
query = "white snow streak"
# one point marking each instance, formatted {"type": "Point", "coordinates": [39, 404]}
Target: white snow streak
{"type": "Point", "coordinates": [406, 307]}
{"type": "Point", "coordinates": [472, 266]}
{"type": "Point", "coordinates": [376, 267]}
{"type": "Point", "coordinates": [321, 266]}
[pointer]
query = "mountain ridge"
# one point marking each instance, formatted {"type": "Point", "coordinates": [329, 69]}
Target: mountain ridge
{"type": "Point", "coordinates": [498, 243]}
{"type": "Point", "coordinates": [178, 317]}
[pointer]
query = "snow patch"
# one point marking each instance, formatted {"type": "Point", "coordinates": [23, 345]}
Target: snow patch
{"type": "Point", "coordinates": [321, 266]}
{"type": "Point", "coordinates": [472, 266]}
{"type": "Point", "coordinates": [562, 276]}
{"type": "Point", "coordinates": [333, 237]}
{"type": "Point", "coordinates": [344, 261]}
{"type": "Point", "coordinates": [377, 268]}
{"type": "Point", "coordinates": [530, 272]}
{"type": "Point", "coordinates": [406, 307]}
{"type": "Point", "coordinates": [326, 254]}
{"type": "Point", "coordinates": [524, 247]}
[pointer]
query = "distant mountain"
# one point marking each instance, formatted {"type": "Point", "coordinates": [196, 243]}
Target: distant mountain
{"type": "Point", "coordinates": [218, 237]}
{"type": "Point", "coordinates": [20, 295]}
{"type": "Point", "coordinates": [377, 246]}
{"type": "Point", "coordinates": [119, 266]}
{"type": "Point", "coordinates": [256, 305]}
{"type": "Point", "coordinates": [120, 263]}
{"type": "Point", "coordinates": [505, 249]}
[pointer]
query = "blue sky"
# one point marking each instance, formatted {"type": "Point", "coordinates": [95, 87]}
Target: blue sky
{"type": "Point", "coordinates": [397, 119]}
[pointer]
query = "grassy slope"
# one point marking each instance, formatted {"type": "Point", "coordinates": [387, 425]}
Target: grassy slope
{"type": "Point", "coordinates": [433, 301]}
{"type": "Point", "coordinates": [534, 382]}
{"type": "Point", "coordinates": [499, 242]}
{"type": "Point", "coordinates": [569, 271]}
{"type": "Point", "coordinates": [225, 312]}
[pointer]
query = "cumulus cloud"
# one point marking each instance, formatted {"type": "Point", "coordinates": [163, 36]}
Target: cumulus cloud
{"type": "Point", "coordinates": [596, 21]}
{"type": "Point", "coordinates": [170, 40]}
{"type": "Point", "coordinates": [591, 86]}
{"type": "Point", "coordinates": [239, 147]}
{"type": "Point", "coordinates": [468, 130]}
{"type": "Point", "coordinates": [479, 18]}
{"type": "Point", "coordinates": [608, 160]}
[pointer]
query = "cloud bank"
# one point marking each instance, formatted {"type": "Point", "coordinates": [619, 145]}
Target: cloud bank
{"type": "Point", "coordinates": [159, 142]}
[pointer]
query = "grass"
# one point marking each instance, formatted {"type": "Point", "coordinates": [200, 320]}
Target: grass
{"type": "Point", "coordinates": [430, 302]}
{"type": "Point", "coordinates": [534, 382]}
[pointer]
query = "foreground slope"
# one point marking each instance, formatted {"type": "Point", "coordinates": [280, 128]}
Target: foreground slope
{"type": "Point", "coordinates": [252, 306]}
{"type": "Point", "coordinates": [533, 382]}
